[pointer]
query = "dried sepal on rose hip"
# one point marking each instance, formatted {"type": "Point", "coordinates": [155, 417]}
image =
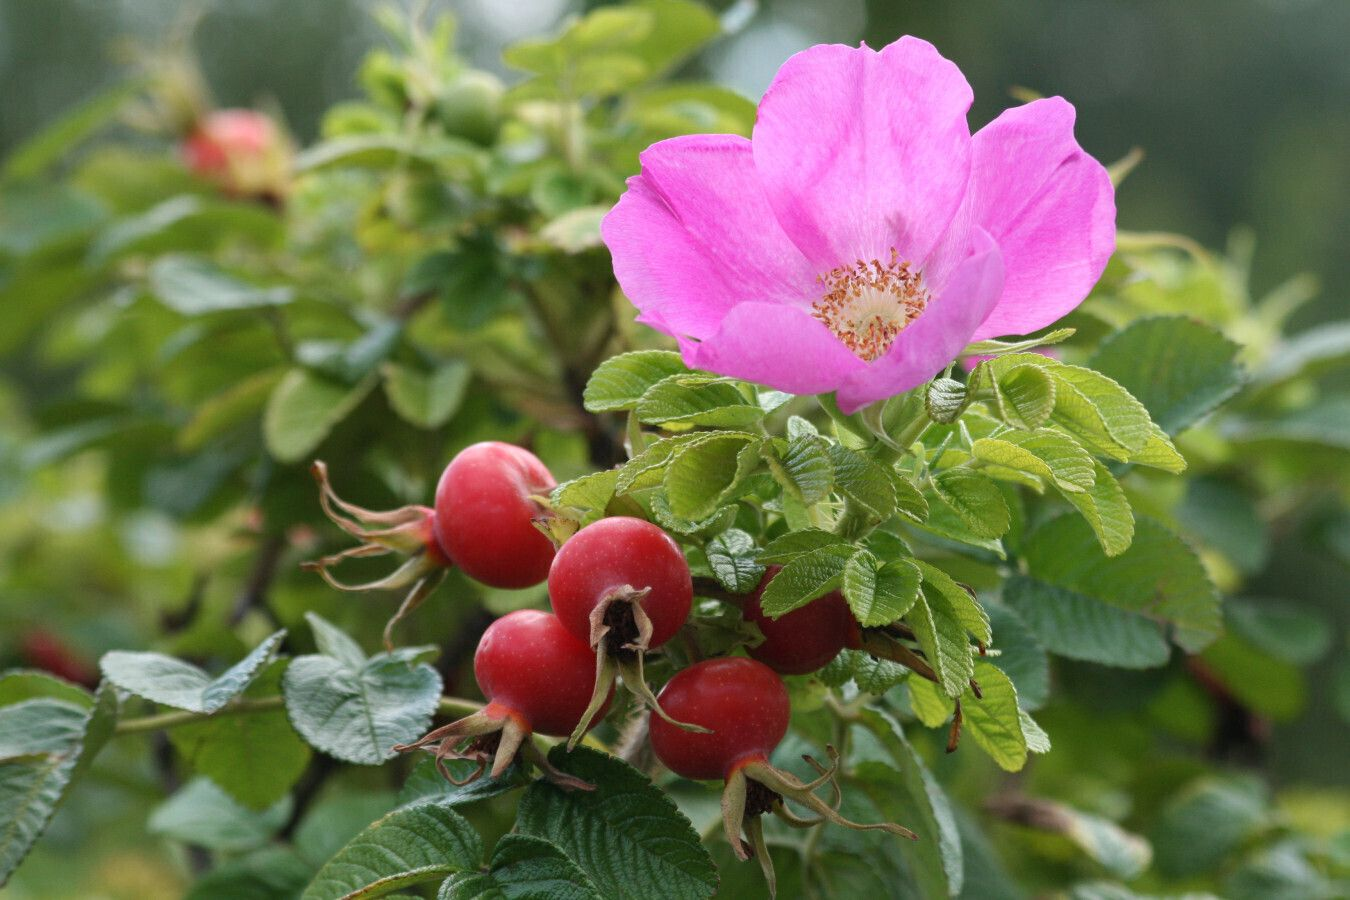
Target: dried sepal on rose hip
{"type": "Point", "coordinates": [408, 531]}
{"type": "Point", "coordinates": [805, 639]}
{"type": "Point", "coordinates": [623, 587]}
{"type": "Point", "coordinates": [484, 523]}
{"type": "Point", "coordinates": [537, 680]}
{"type": "Point", "coordinates": [744, 706]}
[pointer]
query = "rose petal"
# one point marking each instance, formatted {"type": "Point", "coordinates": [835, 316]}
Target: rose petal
{"type": "Point", "coordinates": [936, 338]}
{"type": "Point", "coordinates": [694, 235]}
{"type": "Point", "coordinates": [1051, 208]}
{"type": "Point", "coordinates": [861, 151]}
{"type": "Point", "coordinates": [776, 345]}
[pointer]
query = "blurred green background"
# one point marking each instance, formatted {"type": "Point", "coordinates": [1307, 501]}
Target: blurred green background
{"type": "Point", "coordinates": [1242, 106]}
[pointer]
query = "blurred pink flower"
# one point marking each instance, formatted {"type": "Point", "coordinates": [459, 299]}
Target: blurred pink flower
{"type": "Point", "coordinates": [863, 236]}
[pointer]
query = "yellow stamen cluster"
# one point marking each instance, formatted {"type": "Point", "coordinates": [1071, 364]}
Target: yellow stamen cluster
{"type": "Point", "coordinates": [868, 304]}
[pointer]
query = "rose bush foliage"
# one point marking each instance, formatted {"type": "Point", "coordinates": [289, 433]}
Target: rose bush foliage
{"type": "Point", "coordinates": [1046, 557]}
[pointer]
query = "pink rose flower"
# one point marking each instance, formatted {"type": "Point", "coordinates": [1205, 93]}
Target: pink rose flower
{"type": "Point", "coordinates": [862, 237]}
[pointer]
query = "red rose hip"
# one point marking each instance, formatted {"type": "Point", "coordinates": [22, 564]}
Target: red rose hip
{"type": "Point", "coordinates": [485, 515]}
{"type": "Point", "coordinates": [801, 641]}
{"type": "Point", "coordinates": [622, 586]}
{"type": "Point", "coordinates": [537, 679]}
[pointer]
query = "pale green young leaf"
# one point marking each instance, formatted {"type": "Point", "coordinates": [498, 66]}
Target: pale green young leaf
{"type": "Point", "coordinates": [930, 703]}
{"type": "Point", "coordinates": [996, 348]}
{"type": "Point", "coordinates": [945, 399]}
{"type": "Point", "coordinates": [1025, 395]}
{"type": "Point", "coordinates": [975, 499]}
{"type": "Point", "coordinates": [787, 547]}
{"type": "Point", "coordinates": [909, 500]}
{"type": "Point", "coordinates": [1094, 407]}
{"type": "Point", "coordinates": [942, 637]}
{"type": "Point", "coordinates": [863, 481]}
{"type": "Point", "coordinates": [1107, 510]}
{"type": "Point", "coordinates": [801, 465]}
{"type": "Point", "coordinates": [879, 593]}
{"type": "Point", "coordinates": [967, 609]}
{"type": "Point", "coordinates": [589, 492]}
{"type": "Point", "coordinates": [620, 381]}
{"type": "Point", "coordinates": [1045, 453]}
{"type": "Point", "coordinates": [681, 402]}
{"type": "Point", "coordinates": [994, 721]}
{"type": "Point", "coordinates": [704, 475]}
{"type": "Point", "coordinates": [804, 578]}
{"type": "Point", "coordinates": [1160, 453]}
{"type": "Point", "coordinates": [731, 556]}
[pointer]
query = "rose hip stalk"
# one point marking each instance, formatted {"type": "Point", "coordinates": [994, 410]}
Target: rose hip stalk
{"type": "Point", "coordinates": [488, 502]}
{"type": "Point", "coordinates": [623, 587]}
{"type": "Point", "coordinates": [537, 679]}
{"type": "Point", "coordinates": [745, 708]}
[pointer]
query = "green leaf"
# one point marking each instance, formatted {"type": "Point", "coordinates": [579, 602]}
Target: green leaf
{"type": "Point", "coordinates": [1106, 510]}
{"type": "Point", "coordinates": [620, 381]}
{"type": "Point", "coordinates": [731, 556]}
{"type": "Point", "coordinates": [412, 845]}
{"type": "Point", "coordinates": [704, 475]}
{"type": "Point", "coordinates": [995, 348]}
{"type": "Point", "coordinates": [1296, 636]}
{"type": "Point", "coordinates": [43, 149]}
{"type": "Point", "coordinates": [1179, 368]}
{"type": "Point", "coordinates": [17, 685]}
{"type": "Point", "coordinates": [357, 709]}
{"type": "Point", "coordinates": [589, 492]}
{"type": "Point", "coordinates": [522, 868]}
{"type": "Point", "coordinates": [871, 675]}
{"type": "Point", "coordinates": [908, 793]}
{"type": "Point", "coordinates": [879, 593]}
{"type": "Point", "coordinates": [182, 685]}
{"type": "Point", "coordinates": [1120, 852]}
{"type": "Point", "coordinates": [626, 835]}
{"type": "Point", "coordinates": [967, 609]}
{"type": "Point", "coordinates": [429, 399]}
{"type": "Point", "coordinates": [1072, 625]}
{"type": "Point", "coordinates": [787, 547]}
{"type": "Point", "coordinates": [1208, 821]}
{"type": "Point", "coordinates": [1050, 455]}
{"type": "Point", "coordinates": [1158, 576]}
{"type": "Point", "coordinates": [994, 721]}
{"type": "Point", "coordinates": [272, 873]}
{"type": "Point", "coordinates": [1306, 354]}
{"type": "Point", "coordinates": [976, 500]}
{"type": "Point", "coordinates": [303, 409]}
{"type": "Point", "coordinates": [944, 400]}
{"type": "Point", "coordinates": [684, 401]}
{"type": "Point", "coordinates": [1021, 655]}
{"type": "Point", "coordinates": [195, 287]}
{"type": "Point", "coordinates": [942, 637]}
{"type": "Point", "coordinates": [1025, 395]}
{"type": "Point", "coordinates": [802, 467]}
{"type": "Point", "coordinates": [1100, 412]}
{"type": "Point", "coordinates": [863, 481]}
{"type": "Point", "coordinates": [255, 758]}
{"type": "Point", "coordinates": [203, 815]}
{"type": "Point", "coordinates": [804, 578]}
{"type": "Point", "coordinates": [425, 782]}
{"type": "Point", "coordinates": [34, 781]}
{"type": "Point", "coordinates": [576, 230]}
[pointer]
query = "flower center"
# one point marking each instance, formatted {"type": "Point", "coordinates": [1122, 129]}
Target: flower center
{"type": "Point", "coordinates": [867, 304]}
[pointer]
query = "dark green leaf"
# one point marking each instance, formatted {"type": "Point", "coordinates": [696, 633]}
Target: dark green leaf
{"type": "Point", "coordinates": [415, 844]}
{"type": "Point", "coordinates": [522, 868]}
{"type": "Point", "coordinates": [626, 835]}
{"type": "Point", "coordinates": [620, 381]}
{"type": "Point", "coordinates": [804, 578]}
{"type": "Point", "coordinates": [731, 555]}
{"type": "Point", "coordinates": [195, 287]}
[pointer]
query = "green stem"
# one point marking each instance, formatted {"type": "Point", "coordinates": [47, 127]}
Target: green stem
{"type": "Point", "coordinates": [250, 705]}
